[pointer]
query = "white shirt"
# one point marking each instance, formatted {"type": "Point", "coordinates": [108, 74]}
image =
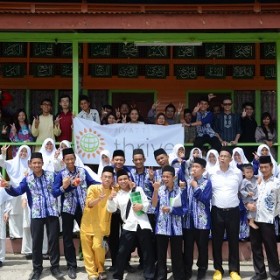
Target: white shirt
{"type": "Point", "coordinates": [225, 186]}
{"type": "Point", "coordinates": [93, 115]}
{"type": "Point", "coordinates": [133, 220]}
{"type": "Point", "coordinates": [268, 203]}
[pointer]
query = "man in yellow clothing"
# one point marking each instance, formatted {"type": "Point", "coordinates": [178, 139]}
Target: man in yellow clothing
{"type": "Point", "coordinates": [95, 225]}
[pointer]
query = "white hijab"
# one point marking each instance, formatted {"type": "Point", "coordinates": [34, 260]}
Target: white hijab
{"type": "Point", "coordinates": [259, 153]}
{"type": "Point", "coordinates": [208, 163]}
{"type": "Point", "coordinates": [191, 153]}
{"type": "Point", "coordinates": [174, 154]}
{"type": "Point", "coordinates": [240, 151]}
{"type": "Point", "coordinates": [102, 164]}
{"type": "Point", "coordinates": [48, 157]}
{"type": "Point", "coordinates": [18, 167]}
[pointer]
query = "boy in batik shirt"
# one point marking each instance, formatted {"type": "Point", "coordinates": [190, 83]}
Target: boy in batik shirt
{"type": "Point", "coordinates": [196, 222]}
{"type": "Point", "coordinates": [170, 203]}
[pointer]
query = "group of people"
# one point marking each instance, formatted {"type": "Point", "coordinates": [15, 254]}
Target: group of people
{"type": "Point", "coordinates": [224, 194]}
{"type": "Point", "coordinates": [182, 202]}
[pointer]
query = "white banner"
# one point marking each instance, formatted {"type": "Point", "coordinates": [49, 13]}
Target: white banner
{"type": "Point", "coordinates": [91, 138]}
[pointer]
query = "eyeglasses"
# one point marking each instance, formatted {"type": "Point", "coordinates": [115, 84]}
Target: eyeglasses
{"type": "Point", "coordinates": [227, 104]}
{"type": "Point", "coordinates": [46, 104]}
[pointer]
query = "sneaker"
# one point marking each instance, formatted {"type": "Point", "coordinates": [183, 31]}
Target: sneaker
{"type": "Point", "coordinates": [201, 274]}
{"type": "Point", "coordinates": [28, 256]}
{"type": "Point", "coordinates": [234, 276]}
{"type": "Point", "coordinates": [217, 275]}
{"type": "Point", "coordinates": [46, 257]}
{"type": "Point", "coordinates": [72, 272]}
{"type": "Point", "coordinates": [35, 275]}
{"type": "Point", "coordinates": [102, 276]}
{"type": "Point", "coordinates": [56, 273]}
{"type": "Point", "coordinates": [258, 277]}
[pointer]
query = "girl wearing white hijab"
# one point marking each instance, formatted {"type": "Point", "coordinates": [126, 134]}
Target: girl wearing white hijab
{"type": "Point", "coordinates": [104, 161]}
{"type": "Point", "coordinates": [177, 154]}
{"type": "Point", "coordinates": [48, 150]}
{"type": "Point", "coordinates": [212, 159]}
{"type": "Point", "coordinates": [195, 152]}
{"type": "Point", "coordinates": [264, 150]}
{"type": "Point", "coordinates": [238, 158]}
{"type": "Point", "coordinates": [16, 168]}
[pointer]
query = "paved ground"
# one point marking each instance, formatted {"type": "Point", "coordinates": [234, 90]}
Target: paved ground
{"type": "Point", "coordinates": [16, 267]}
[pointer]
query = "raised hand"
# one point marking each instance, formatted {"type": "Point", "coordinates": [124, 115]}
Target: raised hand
{"type": "Point", "coordinates": [13, 128]}
{"type": "Point", "coordinates": [4, 149]}
{"type": "Point", "coordinates": [196, 108]}
{"type": "Point", "coordinates": [180, 108]}
{"type": "Point", "coordinates": [155, 105]}
{"type": "Point", "coordinates": [4, 129]}
{"type": "Point", "coordinates": [56, 121]}
{"type": "Point", "coordinates": [36, 121]}
{"type": "Point", "coordinates": [118, 113]}
{"type": "Point", "coordinates": [156, 186]}
{"type": "Point", "coordinates": [66, 182]}
{"type": "Point", "coordinates": [151, 173]}
{"type": "Point", "coordinates": [243, 115]}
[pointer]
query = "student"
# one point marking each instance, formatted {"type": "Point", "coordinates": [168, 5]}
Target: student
{"type": "Point", "coordinates": [86, 112]}
{"type": "Point", "coordinates": [43, 126]}
{"type": "Point", "coordinates": [95, 225]}
{"type": "Point", "coordinates": [212, 159]}
{"type": "Point", "coordinates": [136, 225]}
{"type": "Point", "coordinates": [71, 184]}
{"type": "Point", "coordinates": [65, 118]}
{"type": "Point", "coordinates": [48, 151]}
{"type": "Point", "coordinates": [195, 153]}
{"type": "Point", "coordinates": [196, 222]}
{"type": "Point", "coordinates": [5, 208]}
{"type": "Point", "coordinates": [249, 191]}
{"type": "Point", "coordinates": [118, 161]}
{"type": "Point", "coordinates": [267, 208]}
{"type": "Point", "coordinates": [170, 204]}
{"type": "Point", "coordinates": [203, 123]}
{"type": "Point", "coordinates": [44, 210]}
{"type": "Point", "coordinates": [104, 161]}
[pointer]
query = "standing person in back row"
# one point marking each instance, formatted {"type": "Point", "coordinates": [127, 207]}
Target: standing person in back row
{"type": "Point", "coordinates": [225, 214]}
{"type": "Point", "coordinates": [86, 112]}
{"type": "Point", "coordinates": [227, 125]}
{"type": "Point", "coordinates": [43, 126]}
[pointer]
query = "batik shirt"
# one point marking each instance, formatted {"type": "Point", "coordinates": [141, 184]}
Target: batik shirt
{"type": "Point", "coordinates": [170, 223]}
{"type": "Point", "coordinates": [268, 203]}
{"type": "Point", "coordinates": [72, 197]}
{"type": "Point", "coordinates": [39, 194]}
{"type": "Point", "coordinates": [198, 214]}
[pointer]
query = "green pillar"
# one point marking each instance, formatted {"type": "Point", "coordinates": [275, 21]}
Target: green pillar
{"type": "Point", "coordinates": [258, 106]}
{"type": "Point", "coordinates": [277, 98]}
{"type": "Point", "coordinates": [75, 79]}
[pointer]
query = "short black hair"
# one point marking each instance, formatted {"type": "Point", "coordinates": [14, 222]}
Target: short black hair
{"type": "Point", "coordinates": [187, 111]}
{"type": "Point", "coordinates": [170, 105]}
{"type": "Point", "coordinates": [46, 100]}
{"type": "Point", "coordinates": [247, 166]}
{"type": "Point", "coordinates": [203, 99]}
{"type": "Point", "coordinates": [245, 104]}
{"type": "Point", "coordinates": [84, 97]}
{"type": "Point", "coordinates": [65, 96]}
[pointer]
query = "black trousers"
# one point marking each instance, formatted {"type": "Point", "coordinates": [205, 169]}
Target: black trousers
{"type": "Point", "coordinates": [114, 237]}
{"type": "Point", "coordinates": [67, 232]}
{"type": "Point", "coordinates": [265, 234]}
{"type": "Point", "coordinates": [206, 139]}
{"type": "Point", "coordinates": [201, 238]}
{"type": "Point", "coordinates": [127, 242]}
{"type": "Point", "coordinates": [176, 243]}
{"type": "Point", "coordinates": [226, 219]}
{"type": "Point", "coordinates": [37, 233]}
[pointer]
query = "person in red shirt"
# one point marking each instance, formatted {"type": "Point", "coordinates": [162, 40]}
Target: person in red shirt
{"type": "Point", "coordinates": [65, 119]}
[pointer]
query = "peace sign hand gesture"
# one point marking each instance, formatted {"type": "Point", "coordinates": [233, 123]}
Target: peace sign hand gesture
{"type": "Point", "coordinates": [4, 149]}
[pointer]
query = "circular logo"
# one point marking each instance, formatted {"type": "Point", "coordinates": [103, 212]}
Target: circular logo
{"type": "Point", "coordinates": [89, 143]}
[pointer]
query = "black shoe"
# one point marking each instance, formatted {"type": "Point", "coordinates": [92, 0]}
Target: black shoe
{"type": "Point", "coordinates": [201, 275]}
{"type": "Point", "coordinates": [111, 268]}
{"type": "Point", "coordinates": [258, 277]}
{"type": "Point", "coordinates": [56, 273]}
{"type": "Point", "coordinates": [72, 272]}
{"type": "Point", "coordinates": [1, 264]}
{"type": "Point", "coordinates": [35, 275]}
{"type": "Point", "coordinates": [130, 269]}
{"type": "Point", "coordinates": [28, 256]}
